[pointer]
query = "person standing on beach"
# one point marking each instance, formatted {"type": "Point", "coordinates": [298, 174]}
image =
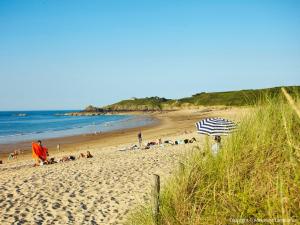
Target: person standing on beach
{"type": "Point", "coordinates": [140, 139]}
{"type": "Point", "coordinates": [39, 153]}
{"type": "Point", "coordinates": [216, 146]}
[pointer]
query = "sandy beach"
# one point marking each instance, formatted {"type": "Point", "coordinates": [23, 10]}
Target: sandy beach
{"type": "Point", "coordinates": [105, 188]}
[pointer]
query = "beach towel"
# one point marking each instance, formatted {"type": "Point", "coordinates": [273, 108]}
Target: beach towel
{"type": "Point", "coordinates": [39, 152]}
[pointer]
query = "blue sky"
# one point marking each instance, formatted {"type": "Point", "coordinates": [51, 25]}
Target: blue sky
{"type": "Point", "coordinates": [69, 54]}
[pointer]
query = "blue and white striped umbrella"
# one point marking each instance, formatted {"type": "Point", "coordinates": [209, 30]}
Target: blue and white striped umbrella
{"type": "Point", "coordinates": [215, 126]}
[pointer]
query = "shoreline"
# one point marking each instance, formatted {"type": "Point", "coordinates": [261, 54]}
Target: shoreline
{"type": "Point", "coordinates": [72, 141]}
{"type": "Point", "coordinates": [167, 123]}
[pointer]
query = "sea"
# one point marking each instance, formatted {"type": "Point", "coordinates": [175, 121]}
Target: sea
{"type": "Point", "coordinates": [18, 126]}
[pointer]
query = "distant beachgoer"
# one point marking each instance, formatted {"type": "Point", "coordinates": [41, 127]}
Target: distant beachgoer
{"type": "Point", "coordinates": [39, 153]}
{"type": "Point", "coordinates": [15, 154]}
{"type": "Point", "coordinates": [11, 156]}
{"type": "Point", "coordinates": [169, 142]}
{"type": "Point", "coordinates": [81, 155]}
{"type": "Point", "coordinates": [187, 141]}
{"type": "Point", "coordinates": [67, 158]}
{"type": "Point", "coordinates": [150, 144]}
{"type": "Point", "coordinates": [159, 141]}
{"type": "Point", "coordinates": [179, 142]}
{"type": "Point", "coordinates": [215, 148]}
{"type": "Point", "coordinates": [58, 147]}
{"type": "Point", "coordinates": [88, 154]}
{"type": "Point", "coordinates": [192, 140]}
{"type": "Point", "coordinates": [140, 138]}
{"type": "Point", "coordinates": [64, 159]}
{"type": "Point", "coordinates": [52, 161]}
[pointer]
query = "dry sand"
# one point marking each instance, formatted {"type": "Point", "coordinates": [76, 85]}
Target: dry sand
{"type": "Point", "coordinates": [105, 188]}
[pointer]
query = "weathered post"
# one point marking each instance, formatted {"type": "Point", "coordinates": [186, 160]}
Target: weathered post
{"type": "Point", "coordinates": [156, 191]}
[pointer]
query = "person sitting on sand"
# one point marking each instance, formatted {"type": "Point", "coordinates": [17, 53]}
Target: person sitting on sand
{"type": "Point", "coordinates": [151, 143]}
{"type": "Point", "coordinates": [64, 159]}
{"type": "Point", "coordinates": [52, 161]}
{"type": "Point", "coordinates": [39, 153]}
{"type": "Point", "coordinates": [67, 158]}
{"type": "Point", "coordinates": [88, 154]}
{"type": "Point", "coordinates": [133, 147]}
{"type": "Point", "coordinates": [187, 141]}
{"type": "Point", "coordinates": [192, 140]}
{"type": "Point", "coordinates": [11, 156]}
{"type": "Point", "coordinates": [15, 155]}
{"type": "Point", "coordinates": [81, 155]}
{"type": "Point", "coordinates": [169, 142]}
{"type": "Point", "coordinates": [179, 142]}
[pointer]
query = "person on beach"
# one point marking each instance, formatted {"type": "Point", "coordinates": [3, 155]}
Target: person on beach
{"type": "Point", "coordinates": [159, 141]}
{"type": "Point", "coordinates": [14, 154]}
{"type": "Point", "coordinates": [140, 139]}
{"type": "Point", "coordinates": [88, 154]}
{"type": "Point", "coordinates": [11, 156]}
{"type": "Point", "coordinates": [39, 153]}
{"type": "Point", "coordinates": [81, 155]}
{"type": "Point", "coordinates": [215, 148]}
{"type": "Point", "coordinates": [67, 158]}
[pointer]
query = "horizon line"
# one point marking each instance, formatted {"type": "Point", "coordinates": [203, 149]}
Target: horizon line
{"type": "Point", "coordinates": [26, 110]}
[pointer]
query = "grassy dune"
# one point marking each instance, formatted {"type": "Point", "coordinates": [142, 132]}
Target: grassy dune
{"type": "Point", "coordinates": [254, 179]}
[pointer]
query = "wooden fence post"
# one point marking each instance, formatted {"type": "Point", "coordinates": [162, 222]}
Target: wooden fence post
{"type": "Point", "coordinates": [156, 191]}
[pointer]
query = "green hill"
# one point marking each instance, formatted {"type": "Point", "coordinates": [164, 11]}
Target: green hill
{"type": "Point", "coordinates": [140, 104]}
{"type": "Point", "coordinates": [235, 98]}
{"type": "Point", "coordinates": [230, 98]}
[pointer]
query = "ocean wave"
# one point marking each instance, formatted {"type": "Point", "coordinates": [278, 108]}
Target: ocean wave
{"type": "Point", "coordinates": [21, 115]}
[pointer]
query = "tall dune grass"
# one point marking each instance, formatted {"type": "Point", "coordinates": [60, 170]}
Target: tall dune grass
{"type": "Point", "coordinates": [255, 179]}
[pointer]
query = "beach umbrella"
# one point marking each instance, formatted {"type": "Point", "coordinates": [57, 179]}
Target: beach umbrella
{"type": "Point", "coordinates": [215, 126]}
